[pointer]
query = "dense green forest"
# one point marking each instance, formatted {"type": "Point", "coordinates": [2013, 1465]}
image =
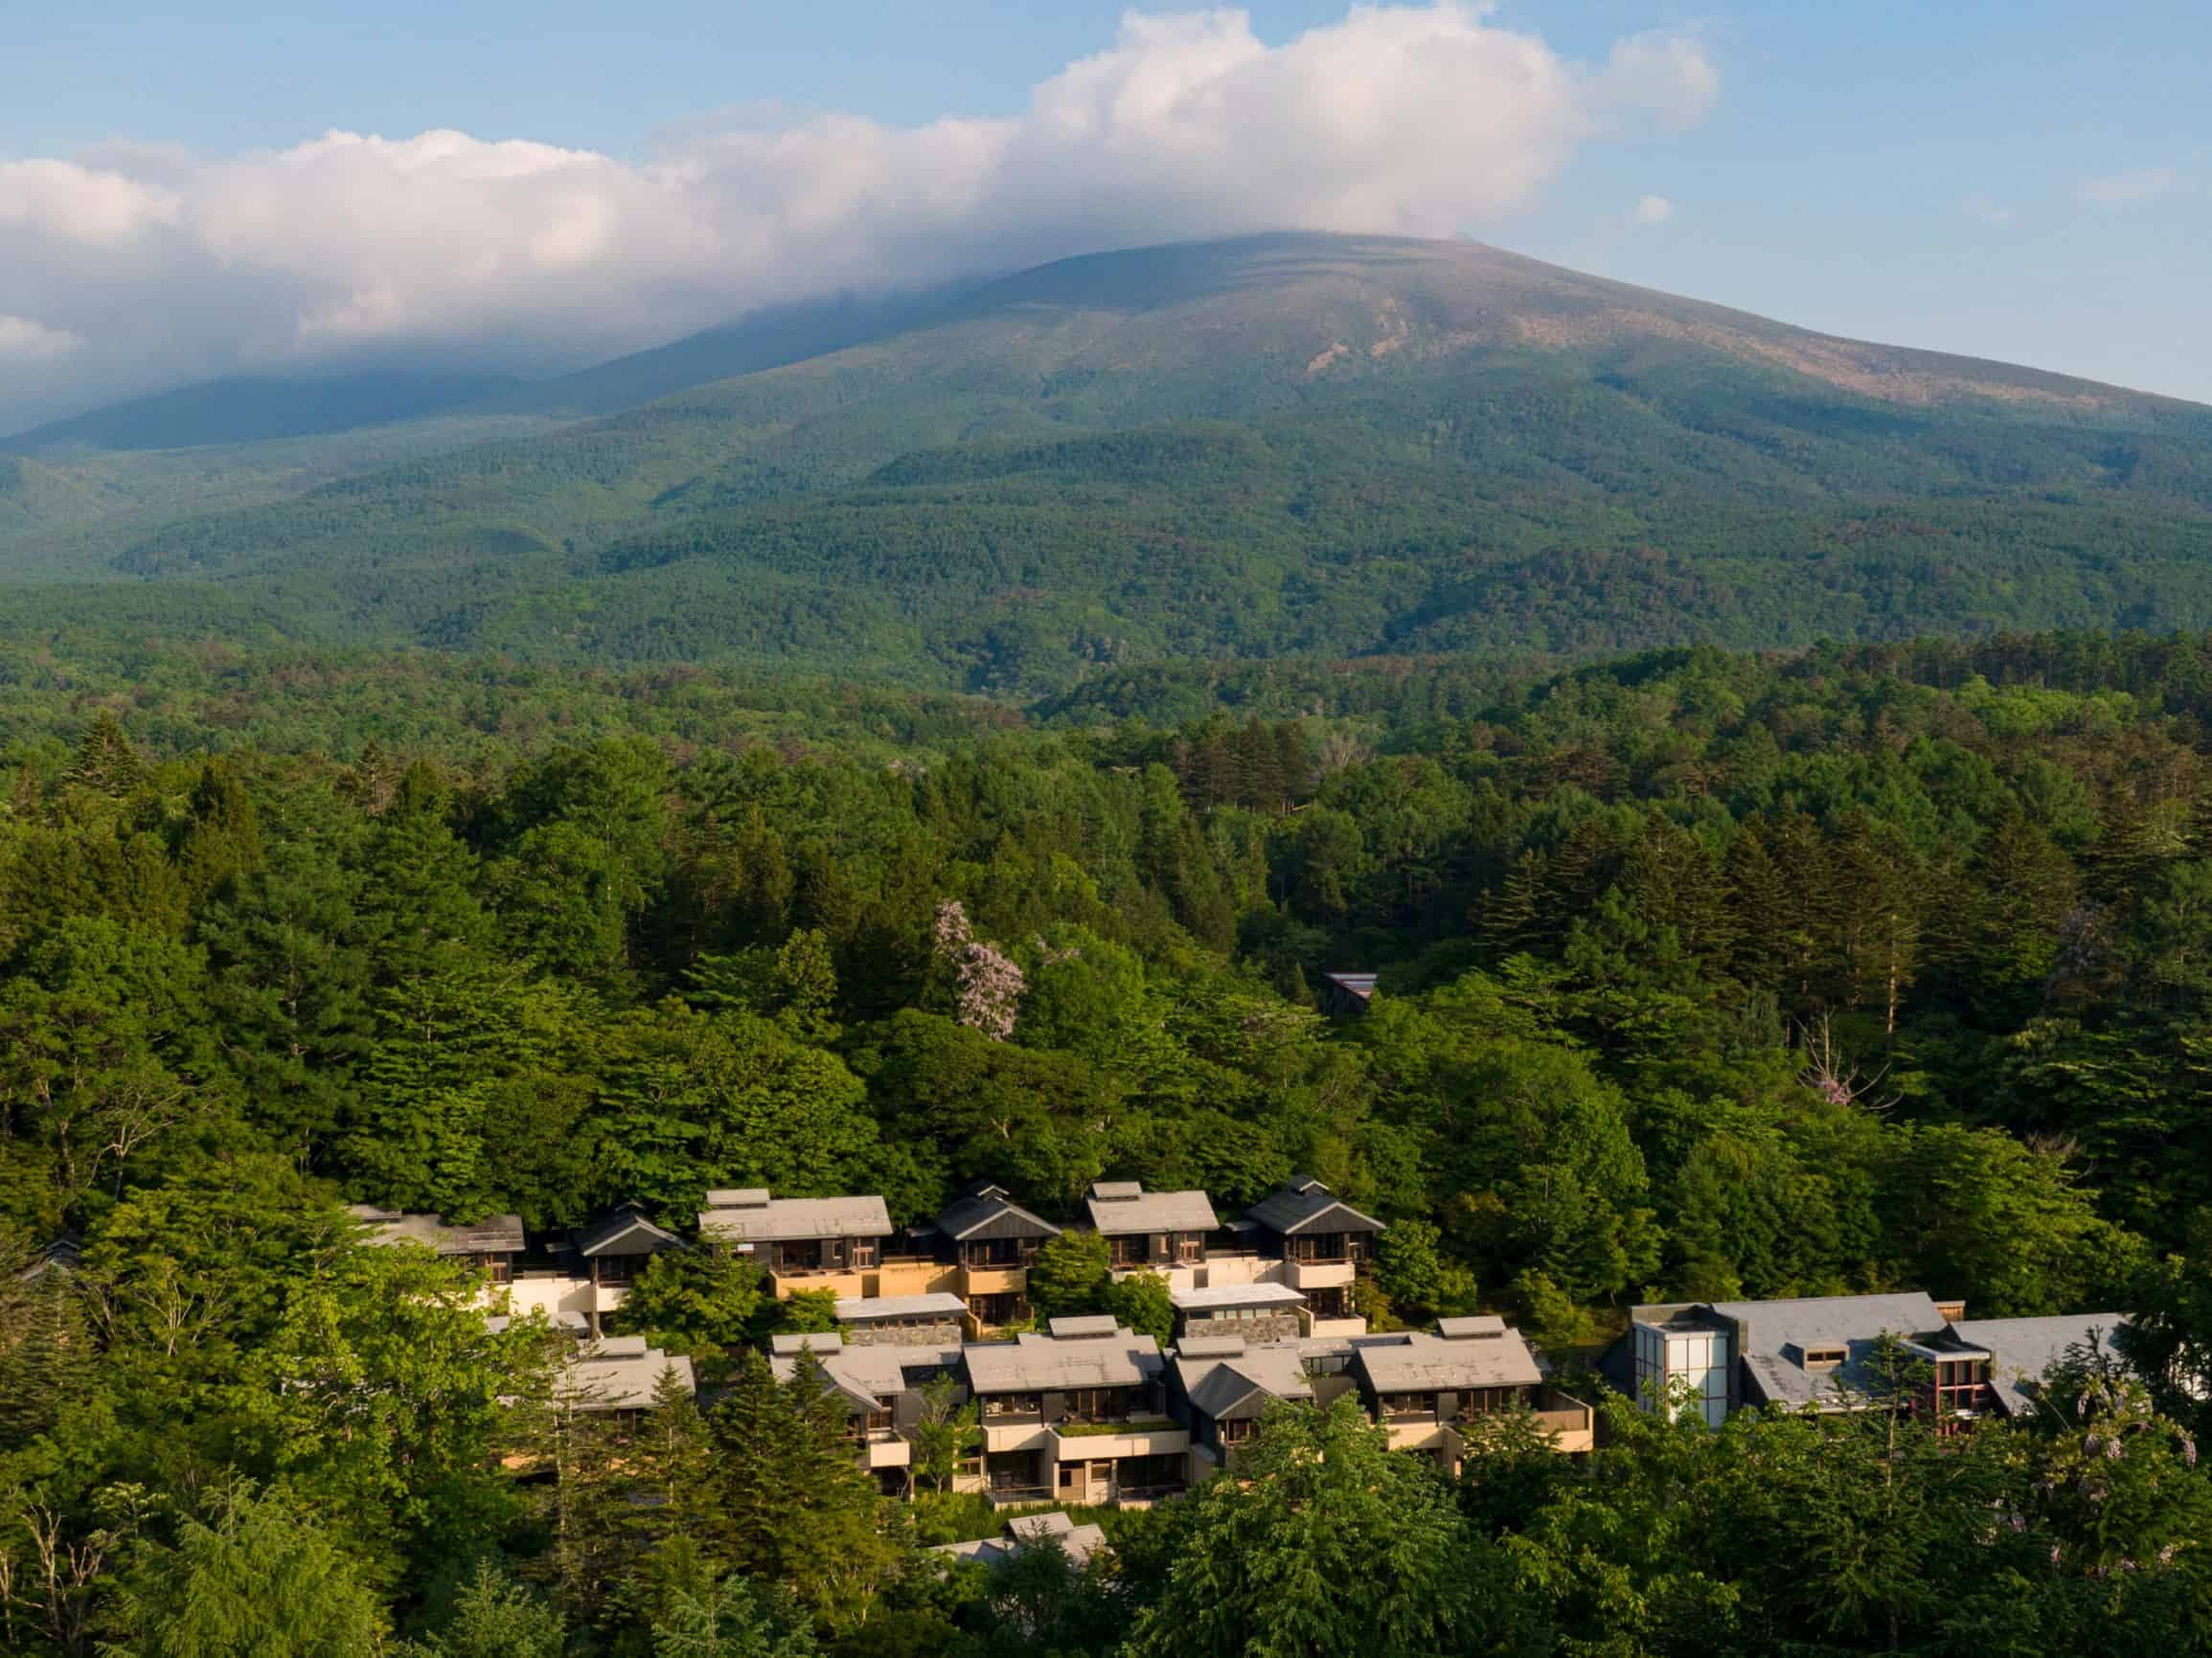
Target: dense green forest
{"type": "Point", "coordinates": [1703, 974]}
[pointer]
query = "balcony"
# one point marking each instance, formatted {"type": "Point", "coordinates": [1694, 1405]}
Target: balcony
{"type": "Point", "coordinates": [1105, 1441]}
{"type": "Point", "coordinates": [973, 1281]}
{"type": "Point", "coordinates": [1423, 1433]}
{"type": "Point", "coordinates": [1013, 1433]}
{"type": "Point", "coordinates": [1309, 1325]}
{"type": "Point", "coordinates": [1569, 1419]}
{"type": "Point", "coordinates": [887, 1450]}
{"type": "Point", "coordinates": [1319, 1274]}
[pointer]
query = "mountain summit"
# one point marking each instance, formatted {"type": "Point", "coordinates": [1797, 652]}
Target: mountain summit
{"type": "Point", "coordinates": [1337, 445]}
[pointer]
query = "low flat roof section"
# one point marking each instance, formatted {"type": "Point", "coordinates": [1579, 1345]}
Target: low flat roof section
{"type": "Point", "coordinates": [1085, 1325]}
{"type": "Point", "coordinates": [1236, 1295]}
{"type": "Point", "coordinates": [1473, 1328]}
{"type": "Point", "coordinates": [939, 1304]}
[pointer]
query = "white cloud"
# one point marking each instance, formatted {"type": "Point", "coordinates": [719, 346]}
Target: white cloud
{"type": "Point", "coordinates": [2120, 188]}
{"type": "Point", "coordinates": [1653, 210]}
{"type": "Point", "coordinates": [1427, 120]}
{"type": "Point", "coordinates": [23, 340]}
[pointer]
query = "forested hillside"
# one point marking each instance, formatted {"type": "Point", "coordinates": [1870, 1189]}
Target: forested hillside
{"type": "Point", "coordinates": [1273, 446]}
{"type": "Point", "coordinates": [1703, 975]}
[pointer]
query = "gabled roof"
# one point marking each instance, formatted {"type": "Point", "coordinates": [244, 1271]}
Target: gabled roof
{"type": "Point", "coordinates": [860, 1310]}
{"type": "Point", "coordinates": [1120, 1208]}
{"type": "Point", "coordinates": [1043, 1363]}
{"type": "Point", "coordinates": [753, 1217]}
{"type": "Point", "coordinates": [495, 1235]}
{"type": "Point", "coordinates": [1775, 1335]}
{"type": "Point", "coordinates": [1078, 1542]}
{"type": "Point", "coordinates": [1220, 1377]}
{"type": "Point", "coordinates": [988, 1208]}
{"type": "Point", "coordinates": [63, 1255]}
{"type": "Point", "coordinates": [1305, 1205]}
{"type": "Point", "coordinates": [1361, 985]}
{"type": "Point", "coordinates": [2022, 1349]}
{"type": "Point", "coordinates": [625, 1232]}
{"type": "Point", "coordinates": [1423, 1363]}
{"type": "Point", "coordinates": [863, 1374]}
{"type": "Point", "coordinates": [620, 1372]}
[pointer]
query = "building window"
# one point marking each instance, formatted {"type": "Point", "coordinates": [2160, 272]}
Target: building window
{"type": "Point", "coordinates": [864, 1251]}
{"type": "Point", "coordinates": [1960, 1390]}
{"type": "Point", "coordinates": [1825, 1355]}
{"type": "Point", "coordinates": [1190, 1247]}
{"type": "Point", "coordinates": [1482, 1401]}
{"type": "Point", "coordinates": [1128, 1252]}
{"type": "Point", "coordinates": [1096, 1405]}
{"type": "Point", "coordinates": [1237, 1433]}
{"type": "Point", "coordinates": [1013, 1405]}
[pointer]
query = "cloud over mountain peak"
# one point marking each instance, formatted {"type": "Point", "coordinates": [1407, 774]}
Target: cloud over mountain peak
{"type": "Point", "coordinates": [142, 264]}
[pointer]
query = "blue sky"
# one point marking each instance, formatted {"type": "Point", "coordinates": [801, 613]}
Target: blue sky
{"type": "Point", "coordinates": [2031, 182]}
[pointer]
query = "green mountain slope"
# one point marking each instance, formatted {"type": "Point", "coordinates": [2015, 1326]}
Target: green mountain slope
{"type": "Point", "coordinates": [248, 410]}
{"type": "Point", "coordinates": [1285, 444]}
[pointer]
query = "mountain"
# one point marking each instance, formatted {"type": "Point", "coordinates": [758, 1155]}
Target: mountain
{"type": "Point", "coordinates": [34, 497]}
{"type": "Point", "coordinates": [1309, 444]}
{"type": "Point", "coordinates": [255, 410]}
{"type": "Point", "coordinates": [768, 338]}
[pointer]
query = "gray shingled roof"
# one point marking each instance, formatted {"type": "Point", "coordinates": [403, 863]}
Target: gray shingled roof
{"type": "Point", "coordinates": [1078, 1542]}
{"type": "Point", "coordinates": [1220, 1382]}
{"type": "Point", "coordinates": [64, 1255]}
{"type": "Point", "coordinates": [2022, 1350]}
{"type": "Point", "coordinates": [864, 1374]}
{"type": "Point", "coordinates": [619, 1372]}
{"type": "Point", "coordinates": [790, 1219]}
{"type": "Point", "coordinates": [1361, 985]}
{"type": "Point", "coordinates": [625, 1232]}
{"type": "Point", "coordinates": [861, 1309]}
{"type": "Point", "coordinates": [1120, 1208]}
{"type": "Point", "coordinates": [1853, 1322]}
{"type": "Point", "coordinates": [1424, 1362]}
{"type": "Point", "coordinates": [1303, 1202]}
{"type": "Point", "coordinates": [1043, 1363]}
{"type": "Point", "coordinates": [975, 1210]}
{"type": "Point", "coordinates": [496, 1235]}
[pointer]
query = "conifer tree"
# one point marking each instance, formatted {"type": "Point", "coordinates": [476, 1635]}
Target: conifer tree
{"type": "Point", "coordinates": [47, 1358]}
{"type": "Point", "coordinates": [496, 1618]}
{"type": "Point", "coordinates": [1512, 918]}
{"type": "Point", "coordinates": [106, 762]}
{"type": "Point", "coordinates": [251, 1579]}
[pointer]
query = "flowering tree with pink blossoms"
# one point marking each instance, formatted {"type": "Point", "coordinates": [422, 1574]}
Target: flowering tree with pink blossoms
{"type": "Point", "coordinates": [988, 996]}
